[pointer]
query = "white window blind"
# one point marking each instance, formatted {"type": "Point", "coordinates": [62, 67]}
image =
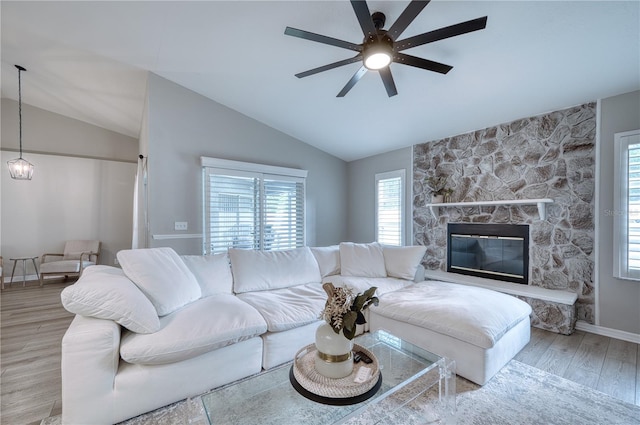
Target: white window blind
{"type": "Point", "coordinates": [389, 199]}
{"type": "Point", "coordinates": [626, 216]}
{"type": "Point", "coordinates": [246, 208]}
{"type": "Point", "coordinates": [283, 204]}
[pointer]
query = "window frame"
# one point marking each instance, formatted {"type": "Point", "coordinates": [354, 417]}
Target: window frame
{"type": "Point", "coordinates": [249, 170]}
{"type": "Point", "coordinates": [401, 173]}
{"type": "Point", "coordinates": [622, 142]}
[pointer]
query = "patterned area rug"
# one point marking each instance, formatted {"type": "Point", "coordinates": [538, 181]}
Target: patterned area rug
{"type": "Point", "coordinates": [518, 394]}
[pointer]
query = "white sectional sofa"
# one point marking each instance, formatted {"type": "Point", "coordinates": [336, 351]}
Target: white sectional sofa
{"type": "Point", "coordinates": [167, 327]}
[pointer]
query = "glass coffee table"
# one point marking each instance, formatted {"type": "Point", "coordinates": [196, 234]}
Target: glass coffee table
{"type": "Point", "coordinates": [418, 387]}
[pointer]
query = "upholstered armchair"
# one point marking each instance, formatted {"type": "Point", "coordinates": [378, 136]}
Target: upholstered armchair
{"type": "Point", "coordinates": [77, 256]}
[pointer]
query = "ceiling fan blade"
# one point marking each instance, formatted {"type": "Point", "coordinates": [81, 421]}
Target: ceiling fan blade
{"type": "Point", "coordinates": [352, 82]}
{"type": "Point", "coordinates": [356, 58]}
{"type": "Point", "coordinates": [322, 39]}
{"type": "Point", "coordinates": [406, 17]}
{"type": "Point", "coordinates": [421, 63]}
{"type": "Point", "coordinates": [441, 34]}
{"type": "Point", "coordinates": [387, 79]}
{"type": "Point", "coordinates": [364, 18]}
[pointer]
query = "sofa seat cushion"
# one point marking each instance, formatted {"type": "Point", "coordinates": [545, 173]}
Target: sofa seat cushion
{"type": "Point", "coordinates": [195, 329]}
{"type": "Point", "coordinates": [288, 308]}
{"type": "Point", "coordinates": [474, 315]}
{"type": "Point", "coordinates": [361, 284]}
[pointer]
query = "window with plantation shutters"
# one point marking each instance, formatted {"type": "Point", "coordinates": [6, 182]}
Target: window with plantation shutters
{"type": "Point", "coordinates": [390, 207]}
{"type": "Point", "coordinates": [252, 206]}
{"type": "Point", "coordinates": [626, 216]}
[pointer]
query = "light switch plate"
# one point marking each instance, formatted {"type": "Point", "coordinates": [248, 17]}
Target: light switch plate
{"type": "Point", "coordinates": [181, 225]}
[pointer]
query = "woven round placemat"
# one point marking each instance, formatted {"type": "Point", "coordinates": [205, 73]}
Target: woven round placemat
{"type": "Point", "coordinates": [304, 370]}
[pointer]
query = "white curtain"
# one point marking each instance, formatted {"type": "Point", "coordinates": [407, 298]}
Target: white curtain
{"type": "Point", "coordinates": [139, 236]}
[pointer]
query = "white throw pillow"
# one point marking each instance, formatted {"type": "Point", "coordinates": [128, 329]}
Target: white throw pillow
{"type": "Point", "coordinates": [403, 261]}
{"type": "Point", "coordinates": [264, 270]}
{"type": "Point", "coordinates": [106, 293]}
{"type": "Point", "coordinates": [328, 258]}
{"type": "Point", "coordinates": [162, 276]}
{"type": "Point", "coordinates": [363, 260]}
{"type": "Point", "coordinates": [213, 273]}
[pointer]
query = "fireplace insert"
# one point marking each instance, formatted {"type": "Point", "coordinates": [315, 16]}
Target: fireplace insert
{"type": "Point", "coordinates": [493, 251]}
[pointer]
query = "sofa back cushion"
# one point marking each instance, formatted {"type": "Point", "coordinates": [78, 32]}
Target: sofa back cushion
{"type": "Point", "coordinates": [213, 273]}
{"type": "Point", "coordinates": [162, 276]}
{"type": "Point", "coordinates": [328, 258]}
{"type": "Point", "coordinates": [263, 270]}
{"type": "Point", "coordinates": [363, 260]}
{"type": "Point", "coordinates": [403, 261]}
{"type": "Point", "coordinates": [106, 293]}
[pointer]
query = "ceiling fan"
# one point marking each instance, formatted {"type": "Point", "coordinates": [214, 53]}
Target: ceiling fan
{"type": "Point", "coordinates": [382, 47]}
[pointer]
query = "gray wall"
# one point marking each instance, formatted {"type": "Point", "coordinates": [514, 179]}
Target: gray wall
{"type": "Point", "coordinates": [183, 126]}
{"type": "Point", "coordinates": [50, 133]}
{"type": "Point", "coordinates": [361, 184]}
{"type": "Point", "coordinates": [619, 300]}
{"type": "Point", "coordinates": [81, 187]}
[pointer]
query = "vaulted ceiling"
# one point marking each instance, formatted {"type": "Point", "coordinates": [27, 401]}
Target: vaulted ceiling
{"type": "Point", "coordinates": [89, 60]}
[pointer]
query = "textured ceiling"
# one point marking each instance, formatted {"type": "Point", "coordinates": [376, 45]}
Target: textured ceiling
{"type": "Point", "coordinates": [89, 60]}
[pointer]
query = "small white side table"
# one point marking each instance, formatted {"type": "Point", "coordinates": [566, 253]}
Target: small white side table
{"type": "Point", "coordinates": [24, 268]}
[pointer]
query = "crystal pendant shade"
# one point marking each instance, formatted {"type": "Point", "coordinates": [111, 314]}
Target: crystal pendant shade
{"type": "Point", "coordinates": [20, 169]}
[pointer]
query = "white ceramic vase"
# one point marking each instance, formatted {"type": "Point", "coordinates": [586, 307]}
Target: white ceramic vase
{"type": "Point", "coordinates": [333, 356]}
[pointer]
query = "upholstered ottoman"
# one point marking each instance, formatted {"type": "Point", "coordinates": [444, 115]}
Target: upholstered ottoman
{"type": "Point", "coordinates": [482, 330]}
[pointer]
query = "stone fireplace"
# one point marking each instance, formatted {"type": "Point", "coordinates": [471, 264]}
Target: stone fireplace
{"type": "Point", "coordinates": [547, 156]}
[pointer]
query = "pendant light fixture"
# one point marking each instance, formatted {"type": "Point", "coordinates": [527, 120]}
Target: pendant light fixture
{"type": "Point", "coordinates": [19, 168]}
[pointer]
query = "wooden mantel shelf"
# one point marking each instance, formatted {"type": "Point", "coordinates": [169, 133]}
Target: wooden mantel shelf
{"type": "Point", "coordinates": [541, 203]}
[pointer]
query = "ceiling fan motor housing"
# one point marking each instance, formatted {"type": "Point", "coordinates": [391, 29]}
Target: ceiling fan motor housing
{"type": "Point", "coordinates": [383, 44]}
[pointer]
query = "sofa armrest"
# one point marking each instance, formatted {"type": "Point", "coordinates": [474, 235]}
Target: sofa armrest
{"type": "Point", "coordinates": [90, 359]}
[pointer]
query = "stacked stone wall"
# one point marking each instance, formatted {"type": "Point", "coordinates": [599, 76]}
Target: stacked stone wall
{"type": "Point", "coordinates": [547, 156]}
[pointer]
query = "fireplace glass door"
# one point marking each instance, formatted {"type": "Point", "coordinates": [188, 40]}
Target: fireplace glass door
{"type": "Point", "coordinates": [494, 251]}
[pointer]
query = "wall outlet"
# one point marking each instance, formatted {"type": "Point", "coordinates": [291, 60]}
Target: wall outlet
{"type": "Point", "coordinates": [181, 225]}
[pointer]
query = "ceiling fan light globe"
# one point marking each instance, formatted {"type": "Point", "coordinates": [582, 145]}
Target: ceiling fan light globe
{"type": "Point", "coordinates": [377, 60]}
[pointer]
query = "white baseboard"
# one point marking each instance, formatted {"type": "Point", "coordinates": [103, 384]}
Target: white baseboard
{"type": "Point", "coordinates": [18, 278]}
{"type": "Point", "coordinates": [612, 333]}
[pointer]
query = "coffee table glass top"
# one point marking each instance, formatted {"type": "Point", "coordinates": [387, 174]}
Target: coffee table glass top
{"type": "Point", "coordinates": [269, 398]}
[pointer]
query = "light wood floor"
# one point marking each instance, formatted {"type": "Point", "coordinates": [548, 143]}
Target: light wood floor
{"type": "Point", "coordinates": [33, 322]}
